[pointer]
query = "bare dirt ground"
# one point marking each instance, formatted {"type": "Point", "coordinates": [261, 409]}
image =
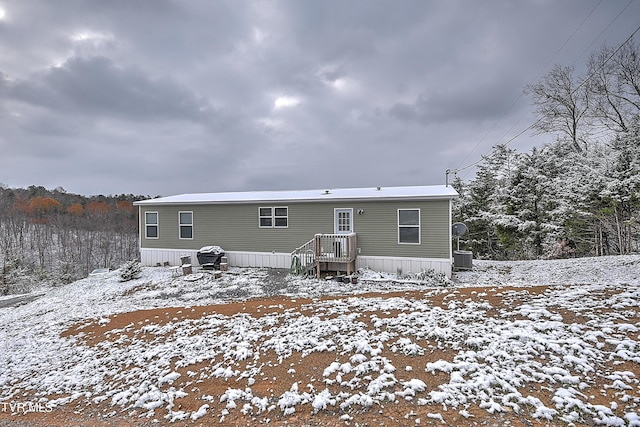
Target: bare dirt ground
{"type": "Point", "coordinates": [279, 376]}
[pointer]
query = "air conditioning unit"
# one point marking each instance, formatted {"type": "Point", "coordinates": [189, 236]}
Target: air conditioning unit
{"type": "Point", "coordinates": [462, 260]}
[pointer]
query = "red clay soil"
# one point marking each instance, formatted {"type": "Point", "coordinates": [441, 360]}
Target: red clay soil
{"type": "Point", "coordinates": [399, 413]}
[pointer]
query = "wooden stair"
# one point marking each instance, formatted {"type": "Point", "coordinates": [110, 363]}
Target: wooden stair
{"type": "Point", "coordinates": [325, 249]}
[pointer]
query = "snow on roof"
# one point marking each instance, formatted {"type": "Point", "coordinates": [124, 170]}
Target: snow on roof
{"type": "Point", "coordinates": [369, 193]}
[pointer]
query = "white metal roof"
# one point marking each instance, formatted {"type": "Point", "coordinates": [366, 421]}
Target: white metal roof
{"type": "Point", "coordinates": [370, 193]}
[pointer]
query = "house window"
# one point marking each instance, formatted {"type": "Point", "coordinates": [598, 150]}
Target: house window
{"type": "Point", "coordinates": [266, 217]}
{"type": "Point", "coordinates": [273, 217]}
{"type": "Point", "coordinates": [151, 225]}
{"type": "Point", "coordinates": [281, 217]}
{"type": "Point", "coordinates": [343, 220]}
{"type": "Point", "coordinates": [409, 226]}
{"type": "Point", "coordinates": [185, 220]}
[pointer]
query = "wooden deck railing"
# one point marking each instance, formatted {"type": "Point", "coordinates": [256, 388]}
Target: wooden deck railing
{"type": "Point", "coordinates": [333, 248]}
{"type": "Point", "coordinates": [304, 258]}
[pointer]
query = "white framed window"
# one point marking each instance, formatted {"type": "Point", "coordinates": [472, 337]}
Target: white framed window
{"type": "Point", "coordinates": [151, 225]}
{"type": "Point", "coordinates": [265, 217]}
{"type": "Point", "coordinates": [185, 223]}
{"type": "Point", "coordinates": [409, 226]}
{"type": "Point", "coordinates": [342, 220]}
{"type": "Point", "coordinates": [273, 217]}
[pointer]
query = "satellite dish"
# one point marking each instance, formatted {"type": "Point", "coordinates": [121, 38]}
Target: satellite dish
{"type": "Point", "coordinates": [458, 229]}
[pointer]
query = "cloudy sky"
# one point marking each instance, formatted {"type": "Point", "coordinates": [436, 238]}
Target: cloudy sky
{"type": "Point", "coordinates": [161, 97]}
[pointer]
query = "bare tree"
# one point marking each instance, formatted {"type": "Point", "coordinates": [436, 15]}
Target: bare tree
{"type": "Point", "coordinates": [627, 60]}
{"type": "Point", "coordinates": [562, 103]}
{"type": "Point", "coordinates": [614, 83]}
{"type": "Point", "coordinates": [62, 235]}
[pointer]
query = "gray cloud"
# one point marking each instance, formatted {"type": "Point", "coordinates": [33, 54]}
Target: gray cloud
{"type": "Point", "coordinates": [98, 86]}
{"type": "Point", "coordinates": [166, 96]}
{"type": "Point", "coordinates": [470, 101]}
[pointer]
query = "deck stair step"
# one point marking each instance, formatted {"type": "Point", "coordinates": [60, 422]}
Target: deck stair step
{"type": "Point", "coordinates": [327, 249]}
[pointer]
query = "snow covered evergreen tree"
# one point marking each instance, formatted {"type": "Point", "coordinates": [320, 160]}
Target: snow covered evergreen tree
{"type": "Point", "coordinates": [130, 270]}
{"type": "Point", "coordinates": [622, 190]}
{"type": "Point", "coordinates": [485, 207]}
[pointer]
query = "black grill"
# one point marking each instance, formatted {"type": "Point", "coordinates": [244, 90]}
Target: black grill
{"type": "Point", "coordinates": [209, 257]}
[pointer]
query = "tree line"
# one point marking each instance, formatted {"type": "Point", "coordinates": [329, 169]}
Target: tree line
{"type": "Point", "coordinates": [57, 237]}
{"type": "Point", "coordinates": [578, 195]}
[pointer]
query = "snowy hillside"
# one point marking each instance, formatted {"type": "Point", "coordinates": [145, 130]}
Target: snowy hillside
{"type": "Point", "coordinates": [492, 341]}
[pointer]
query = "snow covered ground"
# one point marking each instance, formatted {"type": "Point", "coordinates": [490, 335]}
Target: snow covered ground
{"type": "Point", "coordinates": [576, 341]}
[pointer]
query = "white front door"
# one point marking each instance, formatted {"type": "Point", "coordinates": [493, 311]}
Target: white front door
{"type": "Point", "coordinates": [342, 224]}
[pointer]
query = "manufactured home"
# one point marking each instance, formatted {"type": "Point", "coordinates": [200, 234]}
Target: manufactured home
{"type": "Point", "coordinates": [383, 228]}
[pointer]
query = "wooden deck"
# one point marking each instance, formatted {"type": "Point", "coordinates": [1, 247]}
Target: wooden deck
{"type": "Point", "coordinates": [326, 249]}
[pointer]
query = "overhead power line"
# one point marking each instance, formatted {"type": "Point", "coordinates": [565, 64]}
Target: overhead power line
{"type": "Point", "coordinates": [535, 78]}
{"type": "Point", "coordinates": [579, 86]}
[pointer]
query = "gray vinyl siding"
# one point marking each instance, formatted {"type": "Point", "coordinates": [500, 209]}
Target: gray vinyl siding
{"type": "Point", "coordinates": [234, 227]}
{"type": "Point", "coordinates": [377, 230]}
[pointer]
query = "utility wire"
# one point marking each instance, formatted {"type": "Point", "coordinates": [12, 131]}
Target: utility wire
{"type": "Point", "coordinates": [535, 78]}
{"type": "Point", "coordinates": [602, 32]}
{"type": "Point", "coordinates": [535, 123]}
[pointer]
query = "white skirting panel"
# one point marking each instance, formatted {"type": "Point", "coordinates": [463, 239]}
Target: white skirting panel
{"type": "Point", "coordinates": [259, 259]}
{"type": "Point", "coordinates": [151, 257]}
{"type": "Point", "coordinates": [408, 265]}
